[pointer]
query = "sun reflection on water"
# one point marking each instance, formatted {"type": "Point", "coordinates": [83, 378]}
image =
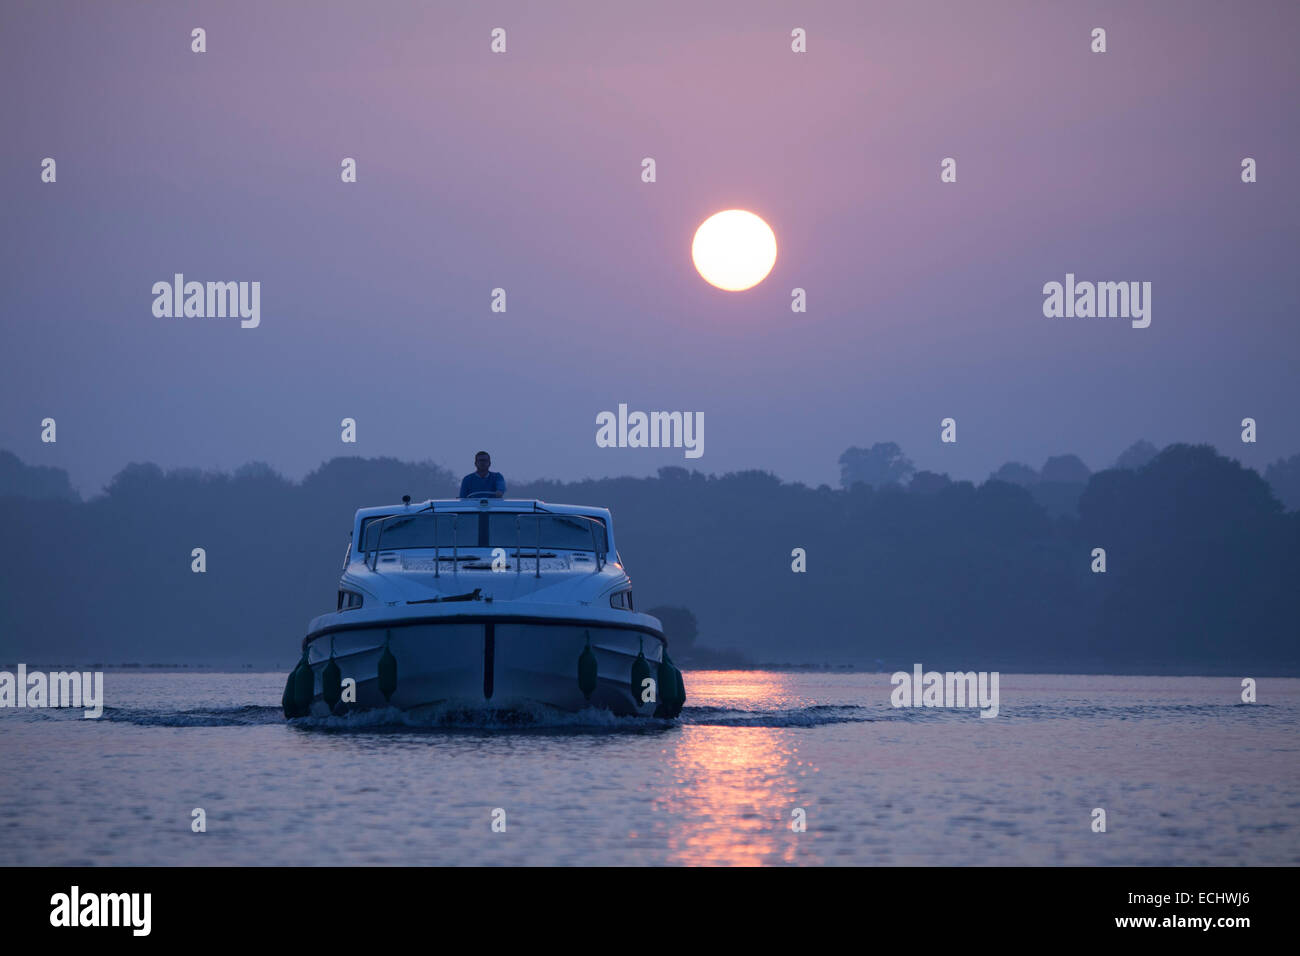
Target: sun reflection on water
{"type": "Point", "coordinates": [732, 789]}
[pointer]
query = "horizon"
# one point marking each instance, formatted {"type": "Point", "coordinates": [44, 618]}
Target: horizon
{"type": "Point", "coordinates": [690, 466]}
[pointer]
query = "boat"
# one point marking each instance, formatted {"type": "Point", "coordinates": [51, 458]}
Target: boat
{"type": "Point", "coordinates": [484, 603]}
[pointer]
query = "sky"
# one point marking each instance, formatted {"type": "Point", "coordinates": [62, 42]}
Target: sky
{"type": "Point", "coordinates": [522, 170]}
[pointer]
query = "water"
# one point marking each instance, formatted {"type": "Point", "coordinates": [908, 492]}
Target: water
{"type": "Point", "coordinates": [1187, 774]}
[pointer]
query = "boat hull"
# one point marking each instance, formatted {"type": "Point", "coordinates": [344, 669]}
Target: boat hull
{"type": "Point", "coordinates": [480, 662]}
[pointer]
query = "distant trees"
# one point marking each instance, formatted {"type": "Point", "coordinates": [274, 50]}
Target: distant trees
{"type": "Point", "coordinates": [33, 481]}
{"type": "Point", "coordinates": [680, 628]}
{"type": "Point", "coordinates": [1056, 487]}
{"type": "Point", "coordinates": [1060, 483]}
{"type": "Point", "coordinates": [1185, 489]}
{"type": "Point", "coordinates": [928, 483]}
{"type": "Point", "coordinates": [256, 471]}
{"type": "Point", "coordinates": [1200, 555]}
{"type": "Point", "coordinates": [1202, 562]}
{"type": "Point", "coordinates": [1137, 455]}
{"type": "Point", "coordinates": [1067, 469]}
{"type": "Point", "coordinates": [882, 464]}
{"type": "Point", "coordinates": [1284, 477]}
{"type": "Point", "coordinates": [383, 479]}
{"type": "Point", "coordinates": [1015, 473]}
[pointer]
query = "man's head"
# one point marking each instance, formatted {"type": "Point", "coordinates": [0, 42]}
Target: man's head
{"type": "Point", "coordinates": [482, 462]}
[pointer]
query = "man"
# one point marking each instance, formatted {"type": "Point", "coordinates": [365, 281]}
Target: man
{"type": "Point", "coordinates": [488, 484]}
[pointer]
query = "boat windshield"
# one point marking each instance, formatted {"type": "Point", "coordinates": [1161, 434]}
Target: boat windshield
{"type": "Point", "coordinates": [527, 530]}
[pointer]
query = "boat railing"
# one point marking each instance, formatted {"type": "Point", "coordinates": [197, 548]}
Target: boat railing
{"type": "Point", "coordinates": [455, 544]}
{"type": "Point", "coordinates": [537, 566]}
{"type": "Point", "coordinates": [379, 539]}
{"type": "Point", "coordinates": [595, 545]}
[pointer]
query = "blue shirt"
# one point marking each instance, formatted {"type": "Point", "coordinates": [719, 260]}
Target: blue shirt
{"type": "Point", "coordinates": [472, 483]}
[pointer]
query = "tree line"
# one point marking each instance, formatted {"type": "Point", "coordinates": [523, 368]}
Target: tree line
{"type": "Point", "coordinates": [1202, 560]}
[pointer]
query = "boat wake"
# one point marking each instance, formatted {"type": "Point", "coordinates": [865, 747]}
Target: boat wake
{"type": "Point", "coordinates": [250, 715]}
{"type": "Point", "coordinates": [539, 717]}
{"type": "Point", "coordinates": [457, 717]}
{"type": "Point", "coordinates": [816, 715]}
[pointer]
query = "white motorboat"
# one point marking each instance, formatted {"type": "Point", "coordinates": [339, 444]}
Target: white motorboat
{"type": "Point", "coordinates": [484, 603]}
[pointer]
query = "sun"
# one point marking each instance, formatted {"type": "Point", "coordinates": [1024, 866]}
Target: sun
{"type": "Point", "coordinates": [734, 250]}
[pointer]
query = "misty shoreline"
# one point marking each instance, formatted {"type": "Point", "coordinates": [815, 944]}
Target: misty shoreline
{"type": "Point", "coordinates": [1179, 561]}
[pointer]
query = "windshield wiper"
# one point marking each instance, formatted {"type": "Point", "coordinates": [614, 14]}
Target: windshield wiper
{"type": "Point", "coordinates": [471, 596]}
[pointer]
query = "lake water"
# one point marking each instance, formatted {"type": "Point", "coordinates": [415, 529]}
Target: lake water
{"type": "Point", "coordinates": [1186, 772]}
